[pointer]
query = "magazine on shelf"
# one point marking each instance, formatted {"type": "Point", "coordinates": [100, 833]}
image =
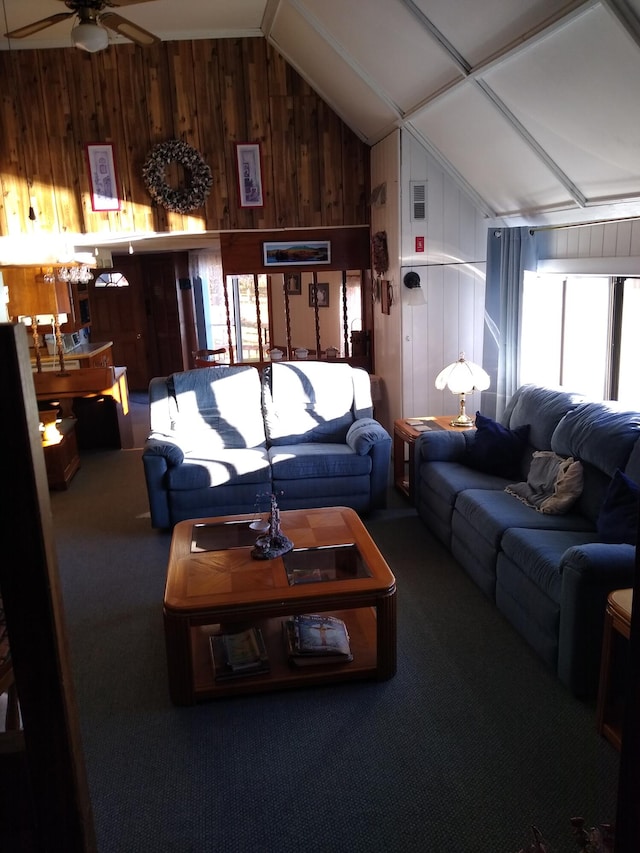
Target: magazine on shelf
{"type": "Point", "coordinates": [237, 654]}
{"type": "Point", "coordinates": [315, 639]}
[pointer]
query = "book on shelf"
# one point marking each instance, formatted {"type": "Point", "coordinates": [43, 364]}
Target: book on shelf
{"type": "Point", "coordinates": [312, 639]}
{"type": "Point", "coordinates": [240, 653]}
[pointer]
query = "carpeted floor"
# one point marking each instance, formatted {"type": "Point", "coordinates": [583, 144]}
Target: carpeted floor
{"type": "Point", "coordinates": [471, 743]}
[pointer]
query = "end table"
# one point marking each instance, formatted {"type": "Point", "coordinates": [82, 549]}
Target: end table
{"type": "Point", "coordinates": [405, 433]}
{"type": "Point", "coordinates": [62, 459]}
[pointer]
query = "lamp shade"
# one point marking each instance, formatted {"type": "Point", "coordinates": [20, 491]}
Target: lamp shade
{"type": "Point", "coordinates": [462, 377]}
{"type": "Point", "coordinates": [90, 36]}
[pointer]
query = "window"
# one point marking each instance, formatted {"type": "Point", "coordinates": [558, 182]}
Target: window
{"type": "Point", "coordinates": [581, 332]}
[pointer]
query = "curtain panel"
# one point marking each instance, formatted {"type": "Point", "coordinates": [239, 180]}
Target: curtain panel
{"type": "Point", "coordinates": [510, 251]}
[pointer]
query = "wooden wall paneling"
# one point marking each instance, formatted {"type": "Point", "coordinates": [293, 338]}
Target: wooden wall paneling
{"type": "Point", "coordinates": [283, 153]}
{"type": "Point", "coordinates": [307, 155]}
{"type": "Point", "coordinates": [242, 250]}
{"type": "Point", "coordinates": [132, 150]}
{"type": "Point", "coordinates": [160, 115]}
{"type": "Point", "coordinates": [356, 178]}
{"type": "Point", "coordinates": [185, 121]}
{"type": "Point", "coordinates": [233, 100]}
{"type": "Point", "coordinates": [78, 75]}
{"type": "Point", "coordinates": [259, 128]}
{"type": "Point", "coordinates": [213, 142]}
{"type": "Point", "coordinates": [331, 166]}
{"type": "Point", "coordinates": [15, 193]}
{"type": "Point", "coordinates": [56, 163]}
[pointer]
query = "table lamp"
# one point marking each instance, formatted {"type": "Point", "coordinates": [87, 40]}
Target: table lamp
{"type": "Point", "coordinates": [462, 377]}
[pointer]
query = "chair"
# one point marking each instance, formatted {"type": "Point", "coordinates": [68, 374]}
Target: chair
{"type": "Point", "coordinates": [208, 357]}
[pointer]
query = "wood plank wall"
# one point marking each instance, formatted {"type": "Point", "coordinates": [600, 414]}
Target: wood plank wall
{"type": "Point", "coordinates": [209, 93]}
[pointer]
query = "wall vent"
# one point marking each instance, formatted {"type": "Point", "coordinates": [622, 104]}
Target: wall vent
{"type": "Point", "coordinates": [418, 201]}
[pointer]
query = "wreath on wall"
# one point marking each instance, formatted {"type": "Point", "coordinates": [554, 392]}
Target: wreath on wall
{"type": "Point", "coordinates": [199, 181]}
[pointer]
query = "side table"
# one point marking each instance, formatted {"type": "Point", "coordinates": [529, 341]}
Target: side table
{"type": "Point", "coordinates": [405, 433]}
{"type": "Point", "coordinates": [62, 459]}
{"type": "Point", "coordinates": [617, 628]}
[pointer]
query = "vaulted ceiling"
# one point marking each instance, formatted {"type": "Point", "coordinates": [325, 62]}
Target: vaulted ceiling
{"type": "Point", "coordinates": [533, 106]}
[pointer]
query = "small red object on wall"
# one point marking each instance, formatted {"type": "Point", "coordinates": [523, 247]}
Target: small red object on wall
{"type": "Point", "coordinates": [419, 244]}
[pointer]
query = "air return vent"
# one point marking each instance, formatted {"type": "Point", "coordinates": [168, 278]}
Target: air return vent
{"type": "Point", "coordinates": [418, 200]}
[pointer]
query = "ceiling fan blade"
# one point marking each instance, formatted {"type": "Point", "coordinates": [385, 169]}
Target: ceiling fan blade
{"type": "Point", "coordinates": [116, 3]}
{"type": "Point", "coordinates": [36, 26]}
{"type": "Point", "coordinates": [128, 29]}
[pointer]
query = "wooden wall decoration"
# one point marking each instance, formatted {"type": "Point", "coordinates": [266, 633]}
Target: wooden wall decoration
{"type": "Point", "coordinates": [211, 94]}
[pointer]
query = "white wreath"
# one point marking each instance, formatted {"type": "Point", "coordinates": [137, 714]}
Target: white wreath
{"type": "Point", "coordinates": [154, 175]}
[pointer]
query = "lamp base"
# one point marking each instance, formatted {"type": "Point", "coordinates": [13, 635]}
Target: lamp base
{"type": "Point", "coordinates": [462, 421]}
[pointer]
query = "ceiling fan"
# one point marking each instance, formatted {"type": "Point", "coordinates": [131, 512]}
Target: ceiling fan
{"type": "Point", "coordinates": [90, 33]}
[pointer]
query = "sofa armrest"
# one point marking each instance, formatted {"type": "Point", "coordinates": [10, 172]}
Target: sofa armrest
{"type": "Point", "coordinates": [589, 573]}
{"type": "Point", "coordinates": [440, 446]}
{"type": "Point", "coordinates": [364, 433]}
{"type": "Point", "coordinates": [161, 445]}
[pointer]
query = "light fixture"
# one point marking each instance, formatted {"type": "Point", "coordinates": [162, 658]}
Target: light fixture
{"type": "Point", "coordinates": [88, 34]}
{"type": "Point", "coordinates": [416, 295]}
{"type": "Point", "coordinates": [462, 377]}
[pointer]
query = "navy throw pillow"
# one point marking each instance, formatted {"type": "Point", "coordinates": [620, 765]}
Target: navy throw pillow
{"type": "Point", "coordinates": [496, 449]}
{"type": "Point", "coordinates": [618, 518]}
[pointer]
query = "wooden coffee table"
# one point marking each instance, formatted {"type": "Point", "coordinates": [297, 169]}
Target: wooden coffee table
{"type": "Point", "coordinates": [215, 586]}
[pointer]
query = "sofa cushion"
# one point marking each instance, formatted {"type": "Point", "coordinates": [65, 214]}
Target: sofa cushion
{"type": "Point", "coordinates": [306, 461]}
{"type": "Point", "coordinates": [618, 518]}
{"type": "Point", "coordinates": [602, 434]}
{"type": "Point", "coordinates": [221, 403]}
{"type": "Point", "coordinates": [307, 402]}
{"type": "Point", "coordinates": [489, 513]}
{"type": "Point", "coordinates": [221, 468]}
{"type": "Point", "coordinates": [553, 483]}
{"type": "Point", "coordinates": [542, 408]}
{"type": "Point", "coordinates": [495, 449]}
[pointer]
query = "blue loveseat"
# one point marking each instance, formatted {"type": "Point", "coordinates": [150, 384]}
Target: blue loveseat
{"type": "Point", "coordinates": [548, 573]}
{"type": "Point", "coordinates": [224, 438]}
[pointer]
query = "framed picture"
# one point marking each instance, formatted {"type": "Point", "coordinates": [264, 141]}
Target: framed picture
{"type": "Point", "coordinates": [297, 253]}
{"type": "Point", "coordinates": [249, 175]}
{"type": "Point", "coordinates": [102, 177]}
{"type": "Point", "coordinates": [293, 283]}
{"type": "Point", "coordinates": [323, 295]}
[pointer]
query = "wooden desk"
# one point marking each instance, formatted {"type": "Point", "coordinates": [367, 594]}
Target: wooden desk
{"type": "Point", "coordinates": [91, 385]}
{"type": "Point", "coordinates": [404, 437]}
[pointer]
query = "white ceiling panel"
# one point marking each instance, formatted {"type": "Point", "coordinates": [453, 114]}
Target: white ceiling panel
{"type": "Point", "coordinates": [332, 77]}
{"type": "Point", "coordinates": [590, 126]}
{"type": "Point", "coordinates": [407, 75]}
{"type": "Point", "coordinates": [480, 29]}
{"type": "Point", "coordinates": [486, 151]}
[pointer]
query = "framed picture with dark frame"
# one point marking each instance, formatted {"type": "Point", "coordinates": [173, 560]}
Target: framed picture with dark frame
{"type": "Point", "coordinates": [293, 283]}
{"type": "Point", "coordinates": [249, 174]}
{"type": "Point", "coordinates": [323, 295]}
{"type": "Point", "coordinates": [102, 177]}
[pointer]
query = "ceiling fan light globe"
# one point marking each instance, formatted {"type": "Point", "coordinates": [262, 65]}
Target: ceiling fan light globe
{"type": "Point", "coordinates": [90, 37]}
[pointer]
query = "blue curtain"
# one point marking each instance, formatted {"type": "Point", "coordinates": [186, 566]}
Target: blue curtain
{"type": "Point", "coordinates": [510, 251]}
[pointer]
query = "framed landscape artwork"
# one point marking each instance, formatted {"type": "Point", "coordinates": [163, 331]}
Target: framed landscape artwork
{"type": "Point", "coordinates": [296, 253]}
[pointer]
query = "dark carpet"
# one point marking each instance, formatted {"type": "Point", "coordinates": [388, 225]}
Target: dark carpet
{"type": "Point", "coordinates": [471, 743]}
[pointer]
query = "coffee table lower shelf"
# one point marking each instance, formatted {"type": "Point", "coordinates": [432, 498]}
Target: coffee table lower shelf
{"type": "Point", "coordinates": [362, 627]}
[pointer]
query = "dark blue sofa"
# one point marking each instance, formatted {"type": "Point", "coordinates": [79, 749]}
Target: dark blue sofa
{"type": "Point", "coordinates": [224, 438]}
{"type": "Point", "coordinates": [549, 574]}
